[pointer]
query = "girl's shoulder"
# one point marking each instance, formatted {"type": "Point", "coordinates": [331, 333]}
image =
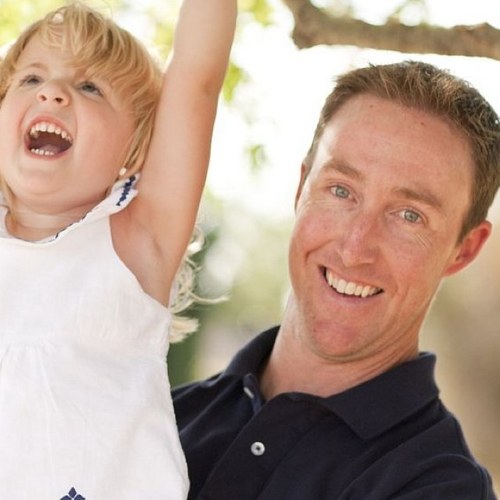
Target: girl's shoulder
{"type": "Point", "coordinates": [121, 194]}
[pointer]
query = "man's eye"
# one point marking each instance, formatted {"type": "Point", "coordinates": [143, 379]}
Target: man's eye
{"type": "Point", "coordinates": [410, 215]}
{"type": "Point", "coordinates": [340, 192]}
{"type": "Point", "coordinates": [91, 88]}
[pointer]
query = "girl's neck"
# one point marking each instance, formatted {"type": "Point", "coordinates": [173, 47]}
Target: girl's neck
{"type": "Point", "coordinates": [31, 226]}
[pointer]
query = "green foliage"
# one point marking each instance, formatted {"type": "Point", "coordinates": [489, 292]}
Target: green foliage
{"type": "Point", "coordinates": [260, 10]}
{"type": "Point", "coordinates": [162, 18]}
{"type": "Point", "coordinates": [15, 15]}
{"type": "Point", "coordinates": [254, 252]}
{"type": "Point", "coordinates": [182, 356]}
{"type": "Point", "coordinates": [234, 77]}
{"type": "Point", "coordinates": [257, 156]}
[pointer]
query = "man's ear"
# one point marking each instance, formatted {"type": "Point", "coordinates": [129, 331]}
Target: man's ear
{"type": "Point", "coordinates": [469, 247]}
{"type": "Point", "coordinates": [303, 174]}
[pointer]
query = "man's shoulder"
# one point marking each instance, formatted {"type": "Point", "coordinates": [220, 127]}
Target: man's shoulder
{"type": "Point", "coordinates": [197, 387]}
{"type": "Point", "coordinates": [246, 361]}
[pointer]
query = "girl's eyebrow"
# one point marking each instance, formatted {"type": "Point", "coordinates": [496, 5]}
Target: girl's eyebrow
{"type": "Point", "coordinates": [30, 65]}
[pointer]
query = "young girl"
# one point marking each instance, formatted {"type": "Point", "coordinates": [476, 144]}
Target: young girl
{"type": "Point", "coordinates": [86, 270]}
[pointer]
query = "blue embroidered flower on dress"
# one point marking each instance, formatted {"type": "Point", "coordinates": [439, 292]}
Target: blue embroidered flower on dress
{"type": "Point", "coordinates": [73, 495]}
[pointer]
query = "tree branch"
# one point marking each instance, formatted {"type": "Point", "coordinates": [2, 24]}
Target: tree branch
{"type": "Point", "coordinates": [314, 26]}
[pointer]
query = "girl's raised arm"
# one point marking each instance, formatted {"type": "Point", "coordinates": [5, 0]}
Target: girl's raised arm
{"type": "Point", "coordinates": [164, 213]}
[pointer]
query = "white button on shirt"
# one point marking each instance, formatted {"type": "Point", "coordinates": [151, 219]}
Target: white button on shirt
{"type": "Point", "coordinates": [258, 448]}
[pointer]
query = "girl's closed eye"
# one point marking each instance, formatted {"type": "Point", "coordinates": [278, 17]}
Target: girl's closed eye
{"type": "Point", "coordinates": [91, 88]}
{"type": "Point", "coordinates": [30, 80]}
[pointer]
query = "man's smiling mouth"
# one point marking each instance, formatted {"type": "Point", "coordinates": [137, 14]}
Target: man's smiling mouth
{"type": "Point", "coordinates": [48, 139]}
{"type": "Point", "coordinates": [350, 287]}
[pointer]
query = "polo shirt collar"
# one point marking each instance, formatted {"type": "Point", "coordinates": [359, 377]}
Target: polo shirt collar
{"type": "Point", "coordinates": [250, 358]}
{"type": "Point", "coordinates": [370, 408]}
{"type": "Point", "coordinates": [375, 406]}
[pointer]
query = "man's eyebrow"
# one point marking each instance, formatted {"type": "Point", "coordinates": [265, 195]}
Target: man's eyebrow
{"type": "Point", "coordinates": [421, 195]}
{"type": "Point", "coordinates": [343, 168]}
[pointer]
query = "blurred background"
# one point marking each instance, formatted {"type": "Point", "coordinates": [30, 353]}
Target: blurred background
{"type": "Point", "coordinates": [271, 99]}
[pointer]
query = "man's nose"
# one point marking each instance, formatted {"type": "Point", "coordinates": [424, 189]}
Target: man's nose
{"type": "Point", "coordinates": [361, 240]}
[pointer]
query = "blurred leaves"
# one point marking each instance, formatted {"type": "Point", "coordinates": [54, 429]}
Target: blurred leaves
{"type": "Point", "coordinates": [235, 76]}
{"type": "Point", "coordinates": [15, 15]}
{"type": "Point", "coordinates": [257, 156]}
{"type": "Point", "coordinates": [259, 10]}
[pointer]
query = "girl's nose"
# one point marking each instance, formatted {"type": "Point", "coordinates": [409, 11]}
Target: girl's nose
{"type": "Point", "coordinates": [53, 92]}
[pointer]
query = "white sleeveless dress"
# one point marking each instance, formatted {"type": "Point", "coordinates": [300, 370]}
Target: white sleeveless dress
{"type": "Point", "coordinates": [85, 407]}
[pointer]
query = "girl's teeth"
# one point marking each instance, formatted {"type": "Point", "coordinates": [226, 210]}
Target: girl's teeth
{"type": "Point", "coordinates": [51, 128]}
{"type": "Point", "coordinates": [42, 153]}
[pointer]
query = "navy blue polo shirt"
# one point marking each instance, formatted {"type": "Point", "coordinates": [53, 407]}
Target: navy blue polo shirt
{"type": "Point", "coordinates": [388, 438]}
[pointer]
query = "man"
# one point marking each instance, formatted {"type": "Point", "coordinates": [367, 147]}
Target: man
{"type": "Point", "coordinates": [338, 402]}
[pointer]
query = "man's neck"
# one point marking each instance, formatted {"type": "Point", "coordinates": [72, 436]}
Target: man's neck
{"type": "Point", "coordinates": [294, 367]}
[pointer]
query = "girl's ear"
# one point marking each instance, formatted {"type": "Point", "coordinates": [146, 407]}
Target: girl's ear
{"type": "Point", "coordinates": [469, 247]}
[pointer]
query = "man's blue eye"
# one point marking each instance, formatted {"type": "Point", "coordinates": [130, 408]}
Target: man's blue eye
{"type": "Point", "coordinates": [410, 216]}
{"type": "Point", "coordinates": [340, 192]}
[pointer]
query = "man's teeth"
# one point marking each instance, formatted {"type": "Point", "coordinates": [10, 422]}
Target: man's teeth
{"type": "Point", "coordinates": [350, 288]}
{"type": "Point", "coordinates": [51, 128]}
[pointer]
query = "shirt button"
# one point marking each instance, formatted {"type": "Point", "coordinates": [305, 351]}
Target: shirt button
{"type": "Point", "coordinates": [258, 448]}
